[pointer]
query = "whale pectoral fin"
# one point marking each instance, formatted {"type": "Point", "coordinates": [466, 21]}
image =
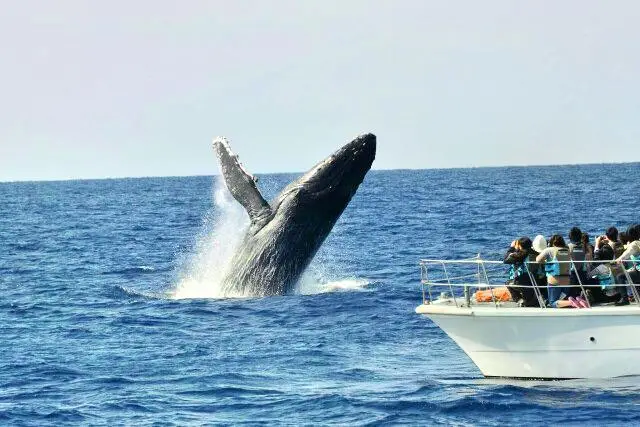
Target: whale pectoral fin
{"type": "Point", "coordinates": [241, 183]}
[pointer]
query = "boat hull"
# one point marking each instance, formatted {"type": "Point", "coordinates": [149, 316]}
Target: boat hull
{"type": "Point", "coordinates": [600, 342]}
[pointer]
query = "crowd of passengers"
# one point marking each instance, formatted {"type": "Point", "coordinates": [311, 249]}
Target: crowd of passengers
{"type": "Point", "coordinates": [569, 275]}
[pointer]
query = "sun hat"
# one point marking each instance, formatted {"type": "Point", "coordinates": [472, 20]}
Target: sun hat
{"type": "Point", "coordinates": [539, 243]}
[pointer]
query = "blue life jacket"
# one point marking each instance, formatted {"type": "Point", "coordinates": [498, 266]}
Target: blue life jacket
{"type": "Point", "coordinates": [528, 265]}
{"type": "Point", "coordinates": [553, 268]}
{"type": "Point", "coordinates": [518, 269]}
{"type": "Point", "coordinates": [605, 280]}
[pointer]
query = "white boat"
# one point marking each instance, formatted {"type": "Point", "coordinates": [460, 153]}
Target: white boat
{"type": "Point", "coordinates": [506, 340]}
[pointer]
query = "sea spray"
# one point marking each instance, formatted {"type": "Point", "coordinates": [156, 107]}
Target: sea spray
{"type": "Point", "coordinates": [223, 228]}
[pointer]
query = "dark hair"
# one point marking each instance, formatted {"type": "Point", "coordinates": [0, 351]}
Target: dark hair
{"type": "Point", "coordinates": [612, 234]}
{"type": "Point", "coordinates": [624, 237]}
{"type": "Point", "coordinates": [606, 253]}
{"type": "Point", "coordinates": [558, 241]}
{"type": "Point", "coordinates": [525, 243]}
{"type": "Point", "coordinates": [634, 232]}
{"type": "Point", "coordinates": [575, 235]}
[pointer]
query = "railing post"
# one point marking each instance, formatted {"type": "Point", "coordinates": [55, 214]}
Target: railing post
{"type": "Point", "coordinates": [446, 274]}
{"type": "Point", "coordinates": [573, 265]}
{"type": "Point", "coordinates": [422, 284]}
{"type": "Point", "coordinates": [426, 278]}
{"type": "Point", "coordinates": [534, 283]}
{"type": "Point", "coordinates": [486, 276]}
{"type": "Point", "coordinates": [634, 291]}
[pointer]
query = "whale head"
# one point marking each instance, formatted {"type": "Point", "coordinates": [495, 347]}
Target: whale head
{"type": "Point", "coordinates": [327, 188]}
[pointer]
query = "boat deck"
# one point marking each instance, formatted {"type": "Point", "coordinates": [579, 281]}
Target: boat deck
{"type": "Point", "coordinates": [512, 309]}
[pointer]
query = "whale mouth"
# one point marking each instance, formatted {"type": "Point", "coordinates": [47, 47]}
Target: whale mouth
{"type": "Point", "coordinates": [344, 170]}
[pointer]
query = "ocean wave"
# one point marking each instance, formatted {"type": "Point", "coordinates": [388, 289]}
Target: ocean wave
{"type": "Point", "coordinates": [25, 246]}
{"type": "Point", "coordinates": [57, 372]}
{"type": "Point", "coordinates": [230, 391]}
{"type": "Point", "coordinates": [126, 292]}
{"type": "Point", "coordinates": [142, 269]}
{"type": "Point", "coordinates": [66, 415]}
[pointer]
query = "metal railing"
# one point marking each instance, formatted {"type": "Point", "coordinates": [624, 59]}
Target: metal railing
{"type": "Point", "coordinates": [470, 273]}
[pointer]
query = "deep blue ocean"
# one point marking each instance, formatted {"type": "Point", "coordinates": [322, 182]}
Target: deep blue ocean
{"type": "Point", "coordinates": [95, 332]}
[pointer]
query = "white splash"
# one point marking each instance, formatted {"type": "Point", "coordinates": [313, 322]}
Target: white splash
{"type": "Point", "coordinates": [223, 228]}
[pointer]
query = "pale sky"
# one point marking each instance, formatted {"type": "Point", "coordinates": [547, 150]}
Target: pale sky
{"type": "Point", "coordinates": [94, 89]}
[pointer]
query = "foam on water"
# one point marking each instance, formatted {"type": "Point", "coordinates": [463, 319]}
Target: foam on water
{"type": "Point", "coordinates": [310, 286]}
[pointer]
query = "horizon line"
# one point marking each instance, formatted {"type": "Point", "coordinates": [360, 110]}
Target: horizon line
{"type": "Point", "coordinates": [545, 165]}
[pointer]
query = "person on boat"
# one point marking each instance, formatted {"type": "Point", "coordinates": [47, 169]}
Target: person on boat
{"type": "Point", "coordinates": [579, 250]}
{"type": "Point", "coordinates": [625, 239]}
{"type": "Point", "coordinates": [630, 260]}
{"type": "Point", "coordinates": [520, 255]}
{"type": "Point", "coordinates": [575, 237]}
{"type": "Point", "coordinates": [611, 237]}
{"type": "Point", "coordinates": [555, 259]}
{"type": "Point", "coordinates": [601, 276]}
{"type": "Point", "coordinates": [616, 241]}
{"type": "Point", "coordinates": [587, 246]}
{"type": "Point", "coordinates": [540, 277]}
{"type": "Point", "coordinates": [539, 243]}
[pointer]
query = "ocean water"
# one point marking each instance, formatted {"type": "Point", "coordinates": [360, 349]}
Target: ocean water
{"type": "Point", "coordinates": [109, 315]}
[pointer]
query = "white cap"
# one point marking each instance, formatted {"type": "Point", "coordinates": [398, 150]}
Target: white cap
{"type": "Point", "coordinates": [539, 243]}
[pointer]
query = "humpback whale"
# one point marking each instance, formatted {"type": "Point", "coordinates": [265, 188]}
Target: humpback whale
{"type": "Point", "coordinates": [284, 235]}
